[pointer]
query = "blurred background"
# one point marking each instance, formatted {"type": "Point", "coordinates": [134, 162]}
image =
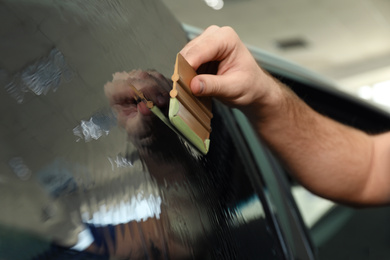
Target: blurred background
{"type": "Point", "coordinates": [347, 41]}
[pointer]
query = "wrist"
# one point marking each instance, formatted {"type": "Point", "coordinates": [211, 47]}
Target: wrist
{"type": "Point", "coordinates": [268, 101]}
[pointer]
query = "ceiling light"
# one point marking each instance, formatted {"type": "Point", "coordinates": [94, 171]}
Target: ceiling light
{"type": "Point", "coordinates": [215, 4]}
{"type": "Point", "coordinates": [382, 93]}
{"type": "Point", "coordinates": [365, 92]}
{"type": "Point", "coordinates": [378, 92]}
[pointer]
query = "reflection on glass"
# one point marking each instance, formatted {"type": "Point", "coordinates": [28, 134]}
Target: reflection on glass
{"type": "Point", "coordinates": [19, 168]}
{"type": "Point", "coordinates": [86, 170]}
{"type": "Point", "coordinates": [39, 77]}
{"type": "Point", "coordinates": [97, 126]}
{"type": "Point", "coordinates": [144, 129]}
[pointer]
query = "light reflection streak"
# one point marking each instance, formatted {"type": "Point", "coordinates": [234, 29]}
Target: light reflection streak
{"type": "Point", "coordinates": [20, 168]}
{"type": "Point", "coordinates": [248, 211]}
{"type": "Point", "coordinates": [140, 208]}
{"type": "Point", "coordinates": [85, 239]}
{"type": "Point", "coordinates": [97, 126]}
{"type": "Point", "coordinates": [88, 130]}
{"type": "Point", "coordinates": [120, 162]}
{"type": "Point", "coordinates": [39, 78]}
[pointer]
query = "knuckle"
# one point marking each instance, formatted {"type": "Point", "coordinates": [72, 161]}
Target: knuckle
{"type": "Point", "coordinates": [229, 31]}
{"type": "Point", "coordinates": [143, 74]}
{"type": "Point", "coordinates": [212, 28]}
{"type": "Point", "coordinates": [217, 88]}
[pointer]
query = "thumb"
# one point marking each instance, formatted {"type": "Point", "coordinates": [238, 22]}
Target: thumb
{"type": "Point", "coordinates": [206, 85]}
{"type": "Point", "coordinates": [226, 88]}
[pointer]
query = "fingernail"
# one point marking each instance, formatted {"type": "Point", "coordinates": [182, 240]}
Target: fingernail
{"type": "Point", "coordinates": [201, 87]}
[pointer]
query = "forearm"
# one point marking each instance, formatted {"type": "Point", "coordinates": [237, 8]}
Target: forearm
{"type": "Point", "coordinates": [330, 159]}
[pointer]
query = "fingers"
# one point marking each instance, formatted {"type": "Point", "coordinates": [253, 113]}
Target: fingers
{"type": "Point", "coordinates": [239, 80]}
{"type": "Point", "coordinates": [215, 43]}
{"type": "Point", "coordinates": [221, 87]}
{"type": "Point", "coordinates": [164, 82]}
{"type": "Point", "coordinates": [152, 84]}
{"type": "Point", "coordinates": [187, 51]}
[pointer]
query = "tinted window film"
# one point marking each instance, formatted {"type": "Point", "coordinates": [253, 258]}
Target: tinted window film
{"type": "Point", "coordinates": [86, 170]}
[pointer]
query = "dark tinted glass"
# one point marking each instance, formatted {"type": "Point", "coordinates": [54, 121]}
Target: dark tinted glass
{"type": "Point", "coordinates": [86, 170]}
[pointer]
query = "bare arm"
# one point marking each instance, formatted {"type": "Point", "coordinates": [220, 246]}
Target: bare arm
{"type": "Point", "coordinates": [330, 159]}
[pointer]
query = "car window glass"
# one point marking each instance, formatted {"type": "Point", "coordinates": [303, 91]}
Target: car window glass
{"type": "Point", "coordinates": [87, 171]}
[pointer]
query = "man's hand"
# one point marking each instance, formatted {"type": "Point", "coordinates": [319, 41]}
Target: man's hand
{"type": "Point", "coordinates": [239, 82]}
